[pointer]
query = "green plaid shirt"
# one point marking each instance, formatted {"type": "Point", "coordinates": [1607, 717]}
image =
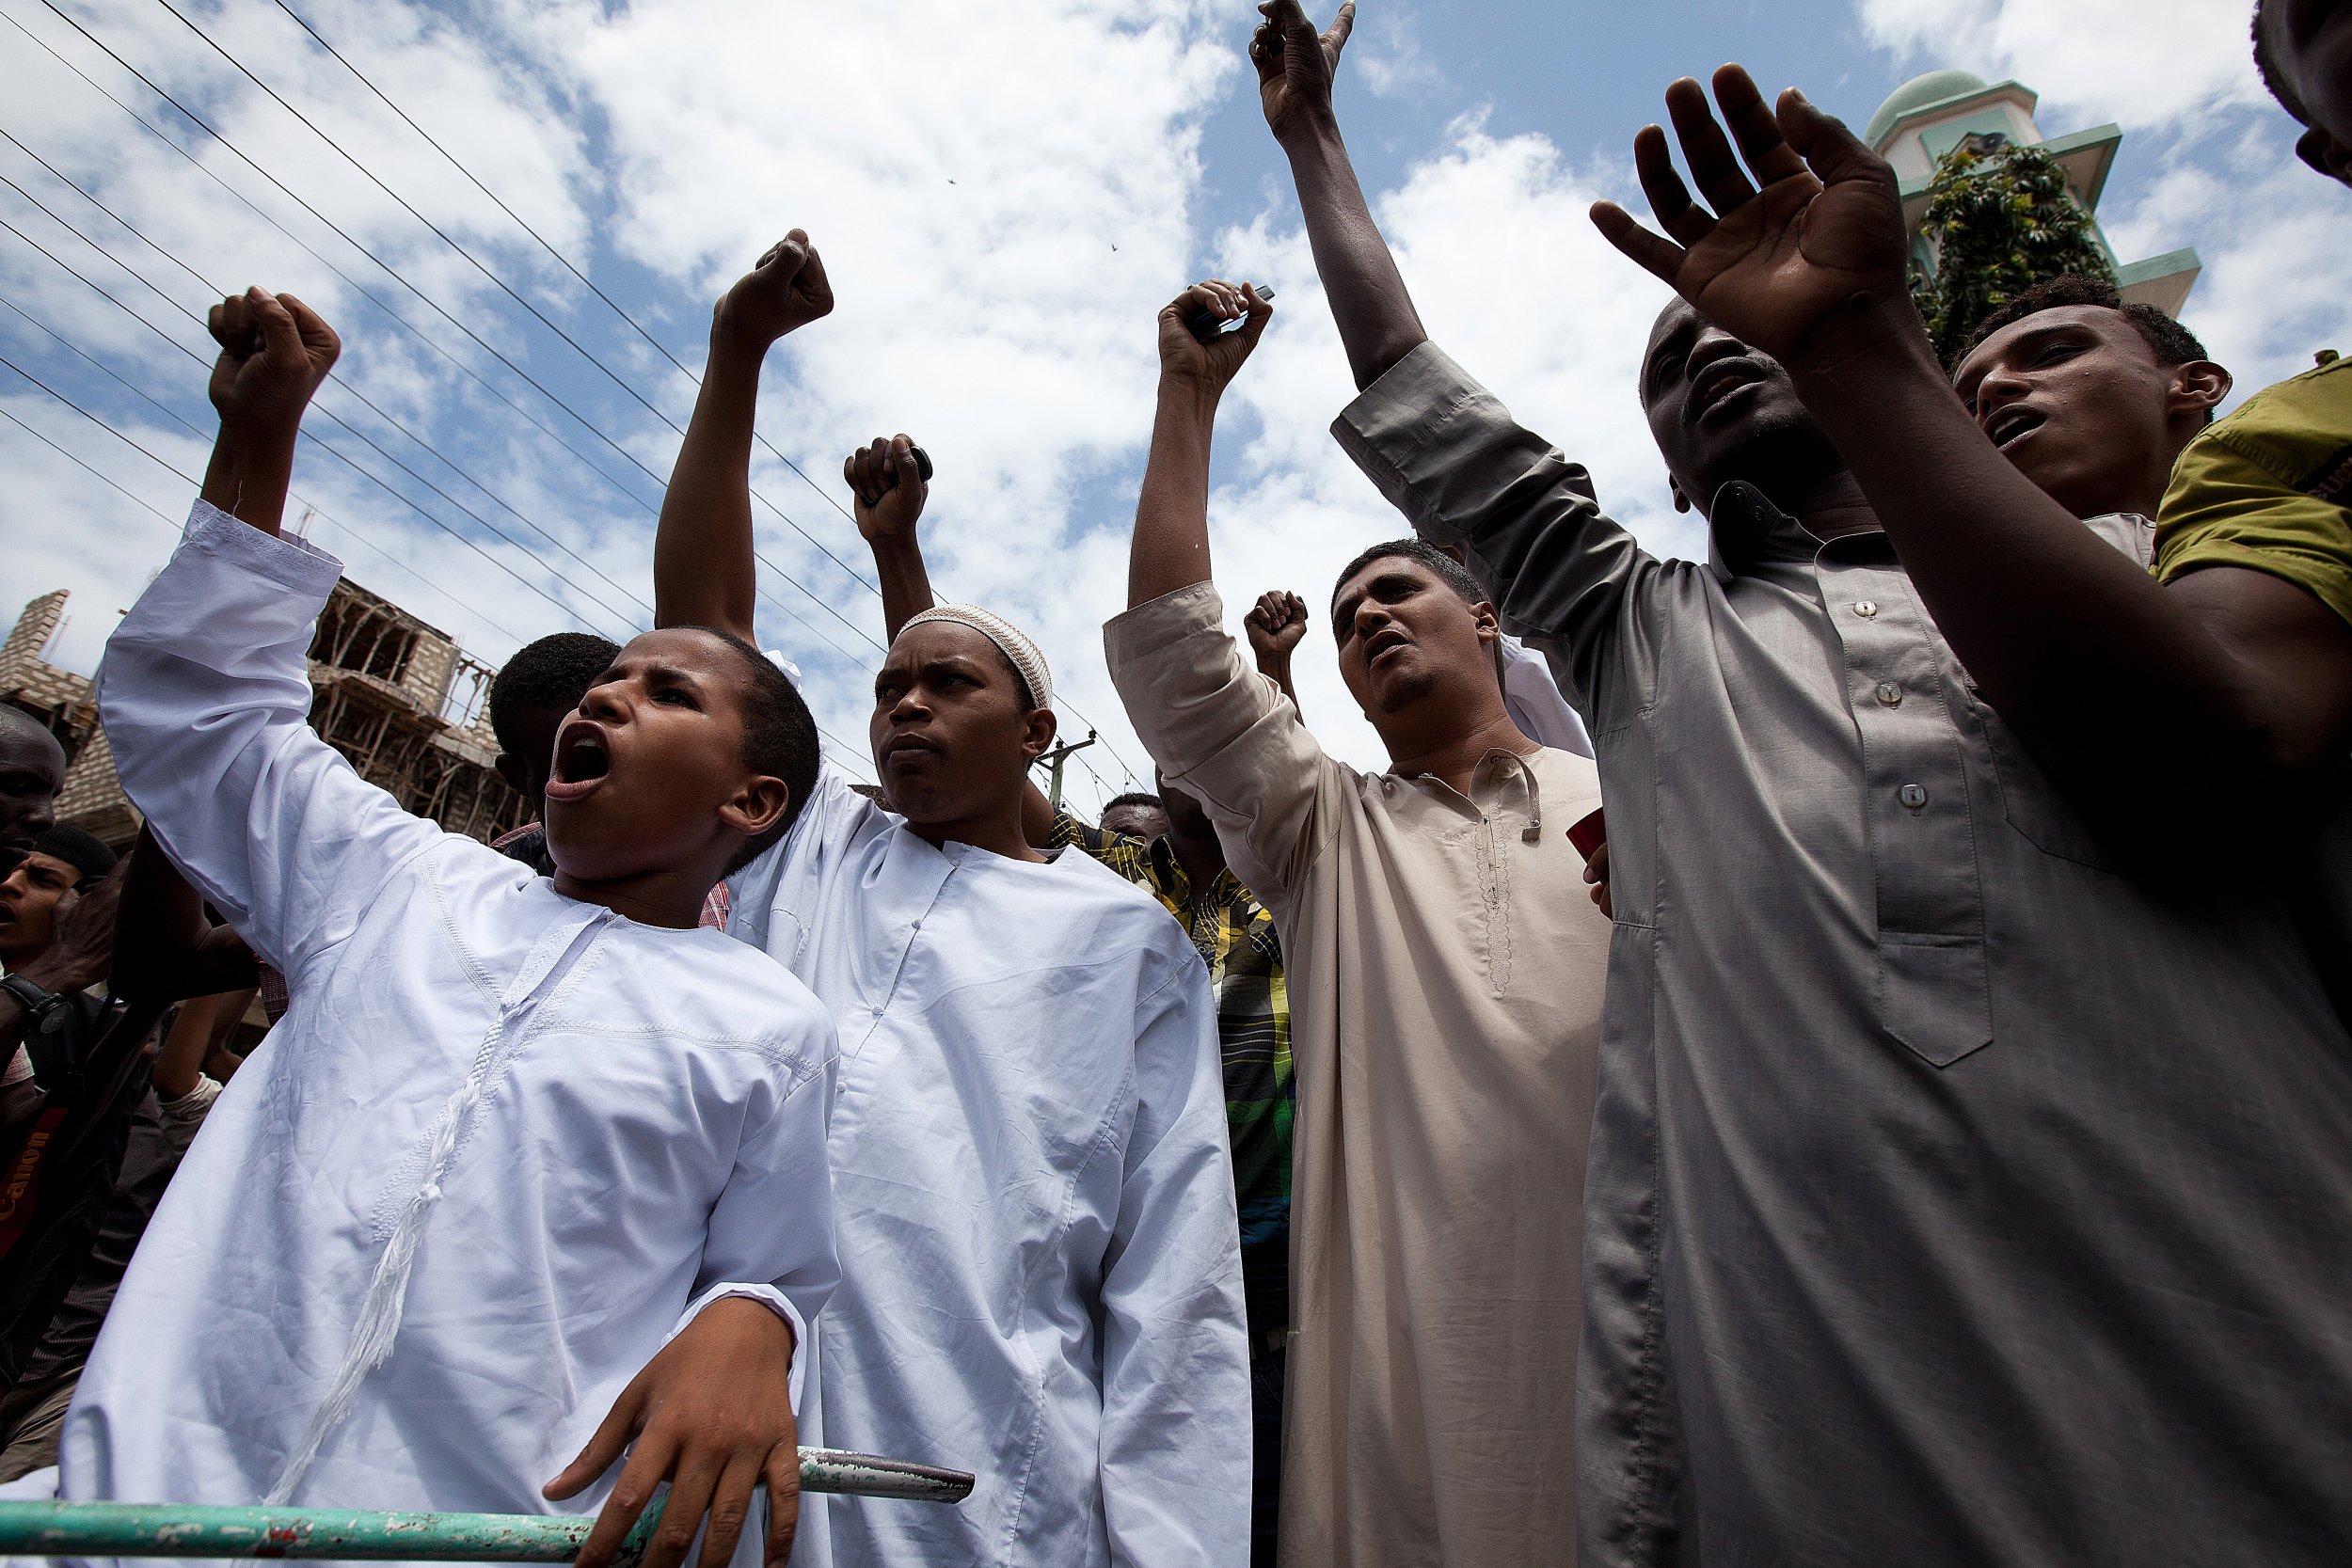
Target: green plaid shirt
{"type": "Point", "coordinates": [1236, 938]}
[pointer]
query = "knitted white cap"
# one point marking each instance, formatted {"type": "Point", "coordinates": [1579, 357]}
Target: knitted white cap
{"type": "Point", "coordinates": [1027, 660]}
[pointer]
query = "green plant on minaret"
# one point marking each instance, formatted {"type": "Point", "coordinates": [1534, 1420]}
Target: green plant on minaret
{"type": "Point", "coordinates": [2001, 220]}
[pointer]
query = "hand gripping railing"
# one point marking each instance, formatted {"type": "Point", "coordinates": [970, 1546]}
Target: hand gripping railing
{"type": "Point", "coordinates": [176, 1529]}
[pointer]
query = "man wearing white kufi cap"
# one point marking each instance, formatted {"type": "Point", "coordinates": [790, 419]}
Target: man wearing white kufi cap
{"type": "Point", "coordinates": [1041, 1266]}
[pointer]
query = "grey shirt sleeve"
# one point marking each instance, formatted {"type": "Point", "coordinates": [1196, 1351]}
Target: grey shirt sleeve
{"type": "Point", "coordinates": [1447, 453]}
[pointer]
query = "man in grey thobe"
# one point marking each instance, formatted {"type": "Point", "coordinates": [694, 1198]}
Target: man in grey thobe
{"type": "Point", "coordinates": [1954, 1198]}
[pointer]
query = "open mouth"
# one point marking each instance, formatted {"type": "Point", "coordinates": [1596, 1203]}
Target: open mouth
{"type": "Point", "coordinates": [582, 761]}
{"type": "Point", "coordinates": [2013, 424]}
{"type": "Point", "coordinates": [1383, 645]}
{"type": "Point", "coordinates": [1717, 383]}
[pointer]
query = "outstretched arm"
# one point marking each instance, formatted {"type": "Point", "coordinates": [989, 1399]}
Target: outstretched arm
{"type": "Point", "coordinates": [704, 572]}
{"type": "Point", "coordinates": [275, 352]}
{"type": "Point", "coordinates": [205, 692]}
{"type": "Point", "coordinates": [1378, 323]}
{"type": "Point", "coordinates": [2110, 677]}
{"type": "Point", "coordinates": [1172, 540]}
{"type": "Point", "coordinates": [890, 492]}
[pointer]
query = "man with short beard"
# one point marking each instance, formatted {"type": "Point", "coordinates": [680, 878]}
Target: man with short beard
{"type": "Point", "coordinates": [1955, 1198]}
{"type": "Point", "coordinates": [1444, 974]}
{"type": "Point", "coordinates": [1034, 1207]}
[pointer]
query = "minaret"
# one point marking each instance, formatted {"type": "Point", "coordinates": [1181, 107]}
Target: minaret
{"type": "Point", "coordinates": [1929, 116]}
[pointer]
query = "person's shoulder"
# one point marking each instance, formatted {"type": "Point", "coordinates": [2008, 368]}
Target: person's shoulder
{"type": "Point", "coordinates": [728, 989]}
{"type": "Point", "coordinates": [1092, 876]}
{"type": "Point", "coordinates": [2299, 430]}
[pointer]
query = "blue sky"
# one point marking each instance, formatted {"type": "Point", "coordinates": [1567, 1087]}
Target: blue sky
{"type": "Point", "coordinates": [1005, 193]}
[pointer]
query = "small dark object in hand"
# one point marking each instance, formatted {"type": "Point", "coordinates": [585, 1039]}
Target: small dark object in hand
{"type": "Point", "coordinates": [1204, 324]}
{"type": "Point", "coordinates": [922, 462]}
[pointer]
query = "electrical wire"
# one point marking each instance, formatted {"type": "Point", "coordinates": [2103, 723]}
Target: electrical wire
{"type": "Point", "coordinates": [563, 260]}
{"type": "Point", "coordinates": [328, 413]}
{"type": "Point", "coordinates": [308, 505]}
{"type": "Point", "coordinates": [590, 425]}
{"type": "Point", "coordinates": [483, 268]}
{"type": "Point", "coordinates": [569, 266]}
{"type": "Point", "coordinates": [428, 301]}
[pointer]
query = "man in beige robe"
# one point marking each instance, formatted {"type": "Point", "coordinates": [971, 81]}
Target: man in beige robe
{"type": "Point", "coordinates": [1445, 969]}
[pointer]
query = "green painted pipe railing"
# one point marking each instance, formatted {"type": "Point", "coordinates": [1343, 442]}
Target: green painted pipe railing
{"type": "Point", "coordinates": [176, 1529]}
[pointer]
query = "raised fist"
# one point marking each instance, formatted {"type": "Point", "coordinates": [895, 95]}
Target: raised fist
{"type": "Point", "coordinates": [786, 290]}
{"type": "Point", "coordinates": [1276, 622]}
{"type": "Point", "coordinates": [274, 352]}
{"type": "Point", "coordinates": [1214, 363]}
{"type": "Point", "coordinates": [889, 488]}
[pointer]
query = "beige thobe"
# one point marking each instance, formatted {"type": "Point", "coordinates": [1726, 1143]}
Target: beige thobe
{"type": "Point", "coordinates": [1445, 969]}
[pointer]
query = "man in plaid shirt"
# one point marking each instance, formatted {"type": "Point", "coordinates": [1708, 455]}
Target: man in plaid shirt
{"type": "Point", "coordinates": [1184, 868]}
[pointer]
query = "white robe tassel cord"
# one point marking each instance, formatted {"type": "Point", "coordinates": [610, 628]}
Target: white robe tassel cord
{"type": "Point", "coordinates": [378, 1323]}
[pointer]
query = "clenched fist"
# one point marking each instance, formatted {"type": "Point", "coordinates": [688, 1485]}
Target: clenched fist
{"type": "Point", "coordinates": [274, 351]}
{"type": "Point", "coordinates": [889, 488]}
{"type": "Point", "coordinates": [785, 291]}
{"type": "Point", "coordinates": [1276, 622]}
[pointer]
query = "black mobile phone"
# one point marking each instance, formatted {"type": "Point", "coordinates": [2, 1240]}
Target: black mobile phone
{"type": "Point", "coordinates": [1205, 324]}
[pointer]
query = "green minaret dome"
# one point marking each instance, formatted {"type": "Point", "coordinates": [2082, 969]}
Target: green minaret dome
{"type": "Point", "coordinates": [1918, 93]}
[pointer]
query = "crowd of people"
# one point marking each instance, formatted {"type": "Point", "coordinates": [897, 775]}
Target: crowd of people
{"type": "Point", "coordinates": [1836, 1053]}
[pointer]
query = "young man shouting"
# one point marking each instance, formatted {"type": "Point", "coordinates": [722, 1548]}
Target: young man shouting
{"type": "Point", "coordinates": [533, 1170]}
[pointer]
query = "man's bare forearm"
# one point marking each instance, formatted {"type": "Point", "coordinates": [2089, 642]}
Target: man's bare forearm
{"type": "Point", "coordinates": [906, 583]}
{"type": "Point", "coordinates": [1172, 540]}
{"type": "Point", "coordinates": [248, 475]}
{"type": "Point", "coordinates": [704, 571]}
{"type": "Point", "coordinates": [1374, 313]}
{"type": "Point", "coordinates": [1277, 668]}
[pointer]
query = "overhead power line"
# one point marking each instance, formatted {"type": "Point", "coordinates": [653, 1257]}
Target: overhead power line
{"type": "Point", "coordinates": [488, 273]}
{"type": "Point", "coordinates": [344, 387]}
{"type": "Point", "coordinates": [326, 412]}
{"type": "Point", "coordinates": [568, 265]}
{"type": "Point", "coordinates": [566, 262]}
{"type": "Point", "coordinates": [503, 286]}
{"type": "Point", "coordinates": [435, 305]}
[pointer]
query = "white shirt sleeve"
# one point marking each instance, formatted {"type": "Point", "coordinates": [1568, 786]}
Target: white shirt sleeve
{"type": "Point", "coordinates": [205, 695]}
{"type": "Point", "coordinates": [1533, 700]}
{"type": "Point", "coordinates": [1175, 1436]}
{"type": "Point", "coordinates": [770, 1234]}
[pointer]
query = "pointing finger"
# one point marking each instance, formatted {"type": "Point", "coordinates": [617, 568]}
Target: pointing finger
{"type": "Point", "coordinates": [1335, 39]}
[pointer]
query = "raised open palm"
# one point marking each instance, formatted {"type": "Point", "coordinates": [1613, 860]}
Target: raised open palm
{"type": "Point", "coordinates": [1771, 266]}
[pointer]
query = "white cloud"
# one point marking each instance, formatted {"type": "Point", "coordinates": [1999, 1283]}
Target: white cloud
{"type": "Point", "coordinates": [1386, 55]}
{"type": "Point", "coordinates": [2137, 62]}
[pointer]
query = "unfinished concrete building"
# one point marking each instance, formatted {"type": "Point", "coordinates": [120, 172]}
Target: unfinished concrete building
{"type": "Point", "coordinates": [395, 695]}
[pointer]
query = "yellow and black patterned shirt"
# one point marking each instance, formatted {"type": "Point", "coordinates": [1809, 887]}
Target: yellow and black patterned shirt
{"type": "Point", "coordinates": [1236, 938]}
